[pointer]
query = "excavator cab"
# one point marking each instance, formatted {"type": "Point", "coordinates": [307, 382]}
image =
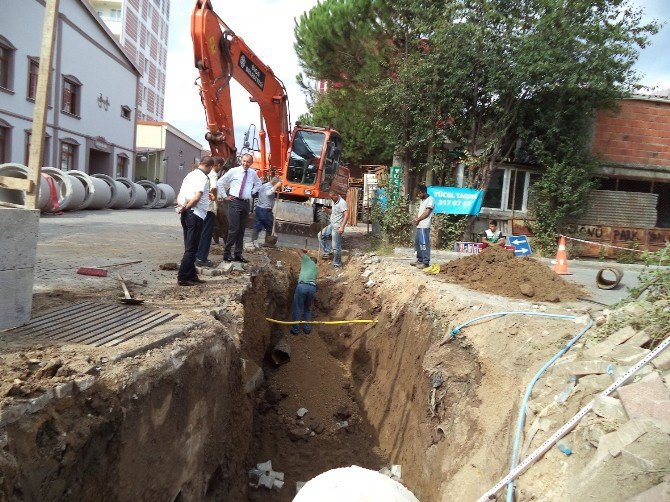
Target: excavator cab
{"type": "Point", "coordinates": [313, 161]}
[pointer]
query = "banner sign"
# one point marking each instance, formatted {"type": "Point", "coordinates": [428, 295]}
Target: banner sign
{"type": "Point", "coordinates": [452, 200]}
{"type": "Point", "coordinates": [395, 181]}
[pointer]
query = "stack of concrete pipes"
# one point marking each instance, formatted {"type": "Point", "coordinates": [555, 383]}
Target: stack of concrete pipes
{"type": "Point", "coordinates": [76, 190]}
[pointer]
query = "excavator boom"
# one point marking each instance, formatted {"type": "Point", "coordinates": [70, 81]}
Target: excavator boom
{"type": "Point", "coordinates": [220, 56]}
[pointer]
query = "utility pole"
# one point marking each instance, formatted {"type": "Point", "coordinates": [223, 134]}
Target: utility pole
{"type": "Point", "coordinates": [41, 103]}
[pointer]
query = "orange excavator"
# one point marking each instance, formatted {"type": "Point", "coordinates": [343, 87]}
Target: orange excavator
{"type": "Point", "coordinates": [307, 158]}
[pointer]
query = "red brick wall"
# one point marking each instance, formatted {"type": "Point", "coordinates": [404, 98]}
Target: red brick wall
{"type": "Point", "coordinates": [637, 134]}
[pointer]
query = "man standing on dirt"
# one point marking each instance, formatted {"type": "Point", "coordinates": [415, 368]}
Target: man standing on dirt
{"type": "Point", "coordinates": [221, 227]}
{"type": "Point", "coordinates": [243, 183]}
{"type": "Point", "coordinates": [201, 257]}
{"type": "Point", "coordinates": [192, 203]}
{"type": "Point", "coordinates": [422, 222]}
{"type": "Point", "coordinates": [331, 236]}
{"type": "Point", "coordinates": [263, 210]}
{"type": "Point", "coordinates": [492, 236]}
{"type": "Point", "coordinates": [304, 294]}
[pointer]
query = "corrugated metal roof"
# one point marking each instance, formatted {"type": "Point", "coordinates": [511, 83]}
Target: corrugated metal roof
{"type": "Point", "coordinates": [621, 209]}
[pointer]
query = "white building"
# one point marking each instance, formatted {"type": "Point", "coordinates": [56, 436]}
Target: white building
{"type": "Point", "coordinates": [91, 118]}
{"type": "Point", "coordinates": [141, 26]}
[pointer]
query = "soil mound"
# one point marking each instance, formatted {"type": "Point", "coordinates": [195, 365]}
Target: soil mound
{"type": "Point", "coordinates": [498, 271]}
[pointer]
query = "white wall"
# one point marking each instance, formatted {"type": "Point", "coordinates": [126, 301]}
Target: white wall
{"type": "Point", "coordinates": [100, 66]}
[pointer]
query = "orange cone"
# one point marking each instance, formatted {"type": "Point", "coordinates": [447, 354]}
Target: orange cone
{"type": "Point", "coordinates": [561, 267]}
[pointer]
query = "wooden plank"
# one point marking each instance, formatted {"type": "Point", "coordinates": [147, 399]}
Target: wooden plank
{"type": "Point", "coordinates": [16, 183]}
{"type": "Point", "coordinates": [41, 102]}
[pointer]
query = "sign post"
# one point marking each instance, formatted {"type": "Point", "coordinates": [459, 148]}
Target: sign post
{"type": "Point", "coordinates": [521, 245]}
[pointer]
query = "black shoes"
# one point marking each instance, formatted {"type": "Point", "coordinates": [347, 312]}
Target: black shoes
{"type": "Point", "coordinates": [241, 259]}
{"type": "Point", "coordinates": [206, 263]}
{"type": "Point", "coordinates": [227, 259]}
{"type": "Point", "coordinates": [187, 283]}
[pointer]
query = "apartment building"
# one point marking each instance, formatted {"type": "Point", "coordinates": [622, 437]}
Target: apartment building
{"type": "Point", "coordinates": [90, 122]}
{"type": "Point", "coordinates": [141, 27]}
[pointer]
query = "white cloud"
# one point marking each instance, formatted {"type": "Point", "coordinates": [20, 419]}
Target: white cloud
{"type": "Point", "coordinates": [267, 28]}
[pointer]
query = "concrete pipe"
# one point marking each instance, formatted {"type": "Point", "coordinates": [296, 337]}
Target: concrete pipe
{"type": "Point", "coordinates": [138, 195]}
{"type": "Point", "coordinates": [98, 194]}
{"type": "Point", "coordinates": [281, 352]}
{"type": "Point", "coordinates": [17, 196]}
{"type": "Point", "coordinates": [614, 279]}
{"type": "Point", "coordinates": [170, 196]}
{"type": "Point", "coordinates": [153, 194]}
{"type": "Point", "coordinates": [120, 194]}
{"type": "Point", "coordinates": [71, 192]}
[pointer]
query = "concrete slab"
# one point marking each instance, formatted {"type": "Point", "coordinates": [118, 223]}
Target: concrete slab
{"type": "Point", "coordinates": [646, 399]}
{"type": "Point", "coordinates": [662, 361]}
{"type": "Point", "coordinates": [650, 453]}
{"type": "Point", "coordinates": [658, 493]}
{"type": "Point", "coordinates": [581, 367]}
{"type": "Point", "coordinates": [18, 245]}
{"type": "Point", "coordinates": [609, 408]}
{"type": "Point", "coordinates": [16, 299]}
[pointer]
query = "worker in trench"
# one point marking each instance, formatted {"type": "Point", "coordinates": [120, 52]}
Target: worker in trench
{"type": "Point", "coordinates": [192, 204]}
{"type": "Point", "coordinates": [304, 294]}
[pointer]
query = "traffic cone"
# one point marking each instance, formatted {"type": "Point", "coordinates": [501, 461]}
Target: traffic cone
{"type": "Point", "coordinates": [561, 267]}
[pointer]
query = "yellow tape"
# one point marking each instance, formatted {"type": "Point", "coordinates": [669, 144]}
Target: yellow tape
{"type": "Point", "coordinates": [355, 321]}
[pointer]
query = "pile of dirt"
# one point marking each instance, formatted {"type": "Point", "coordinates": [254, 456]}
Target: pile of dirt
{"type": "Point", "coordinates": [498, 271]}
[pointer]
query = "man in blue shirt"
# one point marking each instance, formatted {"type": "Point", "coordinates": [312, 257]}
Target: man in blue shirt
{"type": "Point", "coordinates": [263, 210]}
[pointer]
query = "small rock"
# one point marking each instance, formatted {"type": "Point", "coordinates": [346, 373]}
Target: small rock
{"type": "Point", "coordinates": [370, 283]}
{"type": "Point", "coordinates": [301, 412]}
{"type": "Point", "coordinates": [299, 434]}
{"type": "Point", "coordinates": [527, 289]}
{"type": "Point", "coordinates": [609, 408]}
{"type": "Point", "coordinates": [168, 266]}
{"type": "Point", "coordinates": [343, 412]}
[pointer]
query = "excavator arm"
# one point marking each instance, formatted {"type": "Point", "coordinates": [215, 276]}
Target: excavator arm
{"type": "Point", "coordinates": [221, 55]}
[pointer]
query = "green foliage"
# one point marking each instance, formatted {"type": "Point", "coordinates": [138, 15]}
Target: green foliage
{"type": "Point", "coordinates": [655, 277]}
{"type": "Point", "coordinates": [395, 221]}
{"type": "Point", "coordinates": [449, 229]}
{"type": "Point", "coordinates": [632, 256]}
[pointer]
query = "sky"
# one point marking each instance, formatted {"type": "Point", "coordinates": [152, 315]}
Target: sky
{"type": "Point", "coordinates": [267, 28]}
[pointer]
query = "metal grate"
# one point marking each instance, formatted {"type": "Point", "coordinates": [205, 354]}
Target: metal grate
{"type": "Point", "coordinates": [96, 324]}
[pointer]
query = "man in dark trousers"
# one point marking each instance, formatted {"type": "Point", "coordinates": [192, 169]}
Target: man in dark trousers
{"type": "Point", "coordinates": [244, 182]}
{"type": "Point", "coordinates": [192, 203]}
{"type": "Point", "coordinates": [202, 256]}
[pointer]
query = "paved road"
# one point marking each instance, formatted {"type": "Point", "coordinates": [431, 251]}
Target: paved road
{"type": "Point", "coordinates": [89, 238]}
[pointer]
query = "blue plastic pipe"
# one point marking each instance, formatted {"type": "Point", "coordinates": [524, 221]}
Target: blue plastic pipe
{"type": "Point", "coordinates": [529, 390]}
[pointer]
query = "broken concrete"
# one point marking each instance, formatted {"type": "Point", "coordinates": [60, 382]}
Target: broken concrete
{"type": "Point", "coordinates": [581, 367]}
{"type": "Point", "coordinates": [609, 408]}
{"type": "Point", "coordinates": [646, 399]}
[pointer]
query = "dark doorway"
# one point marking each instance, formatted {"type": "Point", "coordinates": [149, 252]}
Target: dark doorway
{"type": "Point", "coordinates": [99, 162]}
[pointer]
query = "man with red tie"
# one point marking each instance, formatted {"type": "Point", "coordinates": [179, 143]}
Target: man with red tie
{"type": "Point", "coordinates": [244, 182]}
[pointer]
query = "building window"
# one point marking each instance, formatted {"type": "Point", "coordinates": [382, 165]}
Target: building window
{"type": "Point", "coordinates": [71, 95]}
{"type": "Point", "coordinates": [508, 189]}
{"type": "Point", "coordinates": [5, 131]}
{"type": "Point", "coordinates": [115, 14]}
{"type": "Point", "coordinates": [121, 165]}
{"type": "Point", "coordinates": [33, 71]}
{"type": "Point", "coordinates": [6, 63]}
{"type": "Point", "coordinates": [126, 111]}
{"type": "Point", "coordinates": [145, 93]}
{"type": "Point", "coordinates": [45, 149]}
{"type": "Point", "coordinates": [68, 153]}
{"type": "Point", "coordinates": [494, 191]}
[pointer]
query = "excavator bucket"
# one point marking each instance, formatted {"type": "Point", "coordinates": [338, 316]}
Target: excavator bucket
{"type": "Point", "coordinates": [294, 212]}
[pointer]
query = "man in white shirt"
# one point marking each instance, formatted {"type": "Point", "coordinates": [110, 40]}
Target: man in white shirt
{"type": "Point", "coordinates": [244, 182]}
{"type": "Point", "coordinates": [492, 236]}
{"type": "Point", "coordinates": [422, 222]}
{"type": "Point", "coordinates": [201, 257]}
{"type": "Point", "coordinates": [192, 203]}
{"type": "Point", "coordinates": [331, 236]}
{"type": "Point", "coordinates": [263, 210]}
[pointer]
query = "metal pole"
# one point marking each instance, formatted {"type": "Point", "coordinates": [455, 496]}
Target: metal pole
{"type": "Point", "coordinates": [41, 102]}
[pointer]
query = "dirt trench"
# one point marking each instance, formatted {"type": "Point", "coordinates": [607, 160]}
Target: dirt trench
{"type": "Point", "coordinates": [182, 428]}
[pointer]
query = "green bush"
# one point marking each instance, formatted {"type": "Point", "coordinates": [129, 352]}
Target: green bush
{"type": "Point", "coordinates": [395, 221]}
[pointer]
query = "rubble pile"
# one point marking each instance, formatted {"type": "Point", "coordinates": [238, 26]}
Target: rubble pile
{"type": "Point", "coordinates": [627, 435]}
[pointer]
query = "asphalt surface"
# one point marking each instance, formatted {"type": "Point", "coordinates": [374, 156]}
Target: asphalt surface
{"type": "Point", "coordinates": [154, 235]}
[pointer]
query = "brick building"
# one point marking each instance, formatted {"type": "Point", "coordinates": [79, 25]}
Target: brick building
{"type": "Point", "coordinates": [141, 27]}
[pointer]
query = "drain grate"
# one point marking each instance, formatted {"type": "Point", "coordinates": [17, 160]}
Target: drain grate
{"type": "Point", "coordinates": [96, 324]}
